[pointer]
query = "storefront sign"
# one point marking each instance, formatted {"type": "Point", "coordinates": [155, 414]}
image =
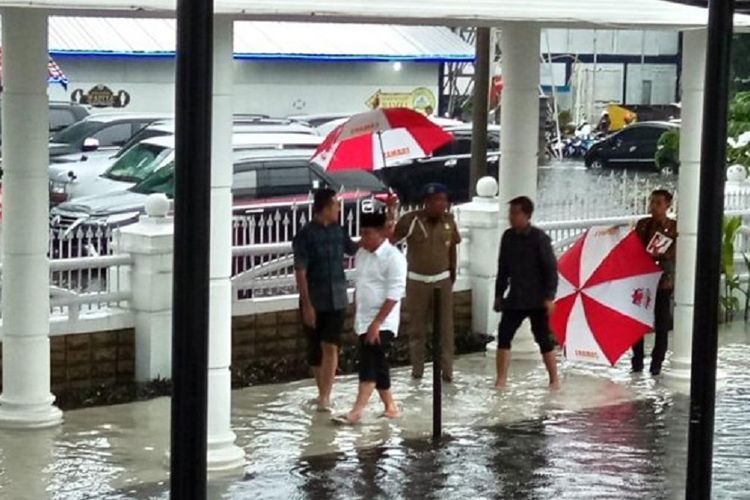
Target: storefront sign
{"type": "Point", "coordinates": [101, 96]}
{"type": "Point", "coordinates": [420, 99]}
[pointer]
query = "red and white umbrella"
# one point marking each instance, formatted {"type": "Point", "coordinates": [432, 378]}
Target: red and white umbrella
{"type": "Point", "coordinates": [380, 138]}
{"type": "Point", "coordinates": [606, 297]}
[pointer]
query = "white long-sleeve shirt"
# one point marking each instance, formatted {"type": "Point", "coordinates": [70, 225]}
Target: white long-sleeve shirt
{"type": "Point", "coordinates": [381, 275]}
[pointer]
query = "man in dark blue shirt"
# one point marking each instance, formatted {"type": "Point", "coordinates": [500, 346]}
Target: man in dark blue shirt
{"type": "Point", "coordinates": [319, 251]}
{"type": "Point", "coordinates": [527, 271]}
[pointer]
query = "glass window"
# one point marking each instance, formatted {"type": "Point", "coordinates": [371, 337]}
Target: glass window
{"type": "Point", "coordinates": [77, 132]}
{"type": "Point", "coordinates": [137, 163]}
{"type": "Point", "coordinates": [60, 118]}
{"type": "Point", "coordinates": [114, 135]}
{"type": "Point", "coordinates": [161, 181]}
{"type": "Point", "coordinates": [287, 179]}
{"type": "Point", "coordinates": [142, 135]}
{"type": "Point", "coordinates": [245, 184]}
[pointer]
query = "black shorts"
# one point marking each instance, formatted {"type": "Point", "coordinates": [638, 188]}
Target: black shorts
{"type": "Point", "coordinates": [511, 321]}
{"type": "Point", "coordinates": [373, 361]}
{"type": "Point", "coordinates": [329, 326]}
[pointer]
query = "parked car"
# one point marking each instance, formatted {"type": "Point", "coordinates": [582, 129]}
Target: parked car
{"type": "Point", "coordinates": [62, 114]}
{"type": "Point", "coordinates": [104, 133]}
{"type": "Point", "coordinates": [634, 146]}
{"type": "Point", "coordinates": [316, 120]}
{"type": "Point", "coordinates": [449, 165]}
{"type": "Point", "coordinates": [82, 178]}
{"type": "Point", "coordinates": [265, 181]}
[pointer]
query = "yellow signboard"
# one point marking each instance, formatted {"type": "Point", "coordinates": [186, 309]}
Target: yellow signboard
{"type": "Point", "coordinates": [420, 99]}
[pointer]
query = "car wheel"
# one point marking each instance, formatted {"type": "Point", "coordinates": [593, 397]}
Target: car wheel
{"type": "Point", "coordinates": [597, 164]}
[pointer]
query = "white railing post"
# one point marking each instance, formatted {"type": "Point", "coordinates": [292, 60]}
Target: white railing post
{"type": "Point", "coordinates": [150, 243]}
{"type": "Point", "coordinates": [480, 218]}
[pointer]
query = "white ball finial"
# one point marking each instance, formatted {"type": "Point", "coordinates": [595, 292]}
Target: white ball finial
{"type": "Point", "coordinates": [736, 173]}
{"type": "Point", "coordinates": [487, 187]}
{"type": "Point", "coordinates": [157, 205]}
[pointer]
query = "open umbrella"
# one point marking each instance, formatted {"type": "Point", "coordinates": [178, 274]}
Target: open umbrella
{"type": "Point", "coordinates": [380, 138]}
{"type": "Point", "coordinates": [606, 297]}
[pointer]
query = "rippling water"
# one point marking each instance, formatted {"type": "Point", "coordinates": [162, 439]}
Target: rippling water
{"type": "Point", "coordinates": [607, 434]}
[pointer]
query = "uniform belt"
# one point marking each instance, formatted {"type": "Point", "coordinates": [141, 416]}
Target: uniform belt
{"type": "Point", "coordinates": [434, 278]}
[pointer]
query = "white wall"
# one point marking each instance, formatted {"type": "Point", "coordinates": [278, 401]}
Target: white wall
{"type": "Point", "coordinates": [620, 42]}
{"type": "Point", "coordinates": [275, 88]}
{"type": "Point", "coordinates": [663, 78]}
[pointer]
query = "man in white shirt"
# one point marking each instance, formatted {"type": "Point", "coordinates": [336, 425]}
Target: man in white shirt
{"type": "Point", "coordinates": [380, 286]}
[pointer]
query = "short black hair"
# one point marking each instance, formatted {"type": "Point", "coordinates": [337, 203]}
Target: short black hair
{"type": "Point", "coordinates": [524, 203]}
{"type": "Point", "coordinates": [372, 220]}
{"type": "Point", "coordinates": [662, 192]}
{"type": "Point", "coordinates": [322, 198]}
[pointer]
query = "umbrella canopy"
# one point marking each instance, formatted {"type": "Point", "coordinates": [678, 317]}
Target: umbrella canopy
{"type": "Point", "coordinates": [605, 304]}
{"type": "Point", "coordinates": [380, 138]}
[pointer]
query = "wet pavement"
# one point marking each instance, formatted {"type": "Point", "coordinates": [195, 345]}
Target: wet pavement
{"type": "Point", "coordinates": [607, 434]}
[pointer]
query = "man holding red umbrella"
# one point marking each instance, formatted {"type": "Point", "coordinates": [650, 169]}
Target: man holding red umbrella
{"type": "Point", "coordinates": [658, 234]}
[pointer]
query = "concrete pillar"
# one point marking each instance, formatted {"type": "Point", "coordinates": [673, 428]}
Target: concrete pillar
{"type": "Point", "coordinates": [693, 76]}
{"type": "Point", "coordinates": [26, 400]}
{"type": "Point", "coordinates": [151, 244]}
{"type": "Point", "coordinates": [519, 137]}
{"type": "Point", "coordinates": [481, 218]}
{"type": "Point", "coordinates": [223, 454]}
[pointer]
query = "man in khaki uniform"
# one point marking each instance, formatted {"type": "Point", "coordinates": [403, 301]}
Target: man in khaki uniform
{"type": "Point", "coordinates": [431, 236]}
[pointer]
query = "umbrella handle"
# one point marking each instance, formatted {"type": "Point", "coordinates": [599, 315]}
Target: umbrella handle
{"type": "Point", "coordinates": [380, 143]}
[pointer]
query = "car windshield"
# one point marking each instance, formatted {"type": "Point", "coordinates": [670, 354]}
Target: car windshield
{"type": "Point", "coordinates": [161, 181]}
{"type": "Point", "coordinates": [137, 163]}
{"type": "Point", "coordinates": [77, 132]}
{"type": "Point", "coordinates": [141, 135]}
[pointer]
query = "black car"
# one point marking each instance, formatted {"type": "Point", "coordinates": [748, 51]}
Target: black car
{"type": "Point", "coordinates": [64, 114]}
{"type": "Point", "coordinates": [100, 132]}
{"type": "Point", "coordinates": [449, 165]}
{"type": "Point", "coordinates": [634, 146]}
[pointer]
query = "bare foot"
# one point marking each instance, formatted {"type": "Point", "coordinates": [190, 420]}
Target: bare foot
{"type": "Point", "coordinates": [392, 412]}
{"type": "Point", "coordinates": [324, 406]}
{"type": "Point", "coordinates": [501, 385]}
{"type": "Point", "coordinates": [354, 417]}
{"type": "Point", "coordinates": [555, 385]}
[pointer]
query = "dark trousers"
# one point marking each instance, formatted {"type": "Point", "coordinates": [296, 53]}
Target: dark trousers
{"type": "Point", "coordinates": [373, 361]}
{"type": "Point", "coordinates": [662, 325]}
{"type": "Point", "coordinates": [511, 320]}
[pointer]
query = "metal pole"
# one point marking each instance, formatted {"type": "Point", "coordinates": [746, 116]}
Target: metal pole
{"type": "Point", "coordinates": [191, 254]}
{"type": "Point", "coordinates": [710, 209]}
{"type": "Point", "coordinates": [437, 365]}
{"type": "Point", "coordinates": [480, 109]}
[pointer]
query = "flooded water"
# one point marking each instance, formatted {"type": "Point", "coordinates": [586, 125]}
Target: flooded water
{"type": "Point", "coordinates": [607, 434]}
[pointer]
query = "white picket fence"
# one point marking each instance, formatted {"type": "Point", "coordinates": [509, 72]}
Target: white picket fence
{"type": "Point", "coordinates": [86, 275]}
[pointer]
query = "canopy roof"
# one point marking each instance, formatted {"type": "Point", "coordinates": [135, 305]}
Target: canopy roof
{"type": "Point", "coordinates": [626, 14]}
{"type": "Point", "coordinates": [95, 36]}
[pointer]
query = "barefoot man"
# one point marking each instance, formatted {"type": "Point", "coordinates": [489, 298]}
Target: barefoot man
{"type": "Point", "coordinates": [527, 271]}
{"type": "Point", "coordinates": [380, 286]}
{"type": "Point", "coordinates": [319, 250]}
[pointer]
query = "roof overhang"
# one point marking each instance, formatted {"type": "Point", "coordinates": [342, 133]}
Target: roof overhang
{"type": "Point", "coordinates": [609, 14]}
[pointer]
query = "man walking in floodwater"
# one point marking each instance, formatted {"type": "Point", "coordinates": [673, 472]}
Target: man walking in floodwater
{"type": "Point", "coordinates": [658, 233]}
{"type": "Point", "coordinates": [319, 251]}
{"type": "Point", "coordinates": [431, 237]}
{"type": "Point", "coordinates": [527, 271]}
{"type": "Point", "coordinates": [379, 287]}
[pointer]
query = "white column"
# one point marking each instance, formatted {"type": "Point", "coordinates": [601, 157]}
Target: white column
{"type": "Point", "coordinates": [519, 137]}
{"type": "Point", "coordinates": [480, 217]}
{"type": "Point", "coordinates": [693, 76]}
{"type": "Point", "coordinates": [223, 454]}
{"type": "Point", "coordinates": [151, 244]}
{"type": "Point", "coordinates": [26, 400]}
